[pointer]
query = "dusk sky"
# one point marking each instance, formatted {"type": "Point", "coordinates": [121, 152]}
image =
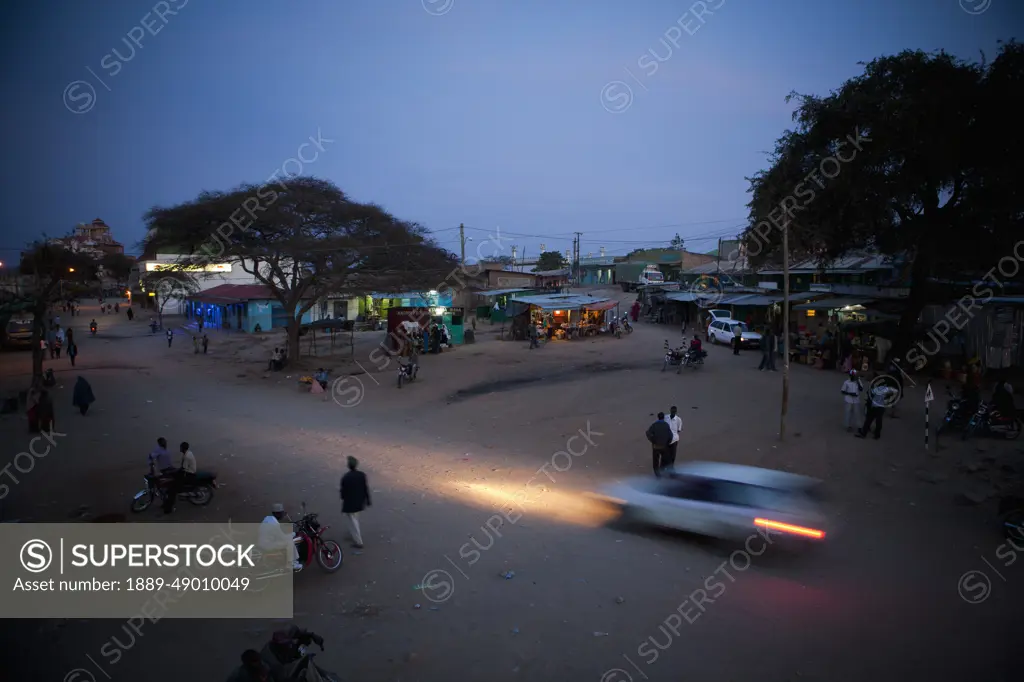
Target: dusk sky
{"type": "Point", "coordinates": [485, 112]}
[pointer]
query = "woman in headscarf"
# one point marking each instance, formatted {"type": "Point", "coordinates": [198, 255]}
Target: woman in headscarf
{"type": "Point", "coordinates": [44, 412]}
{"type": "Point", "coordinates": [82, 396]}
{"type": "Point", "coordinates": [32, 404]}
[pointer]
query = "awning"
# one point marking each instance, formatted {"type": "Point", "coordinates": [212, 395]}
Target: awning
{"type": "Point", "coordinates": [1006, 300]}
{"type": "Point", "coordinates": [603, 305]}
{"type": "Point", "coordinates": [735, 299]}
{"type": "Point", "coordinates": [492, 293]}
{"type": "Point", "coordinates": [681, 296]}
{"type": "Point", "coordinates": [832, 303]}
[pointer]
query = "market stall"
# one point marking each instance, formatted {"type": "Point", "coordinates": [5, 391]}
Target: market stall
{"type": "Point", "coordinates": [560, 316]}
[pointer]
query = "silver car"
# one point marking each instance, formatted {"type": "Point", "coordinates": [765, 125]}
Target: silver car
{"type": "Point", "coordinates": [726, 501]}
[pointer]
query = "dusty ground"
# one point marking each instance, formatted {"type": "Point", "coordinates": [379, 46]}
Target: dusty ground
{"type": "Point", "coordinates": [878, 601]}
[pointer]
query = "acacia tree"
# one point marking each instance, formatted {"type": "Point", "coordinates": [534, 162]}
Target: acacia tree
{"type": "Point", "coordinates": [303, 239]}
{"type": "Point", "coordinates": [930, 182]}
{"type": "Point", "coordinates": [550, 260]}
{"type": "Point", "coordinates": [169, 284]}
{"type": "Point", "coordinates": [50, 267]}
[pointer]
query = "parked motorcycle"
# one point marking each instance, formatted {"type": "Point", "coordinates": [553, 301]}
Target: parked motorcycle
{"type": "Point", "coordinates": [1011, 511]}
{"type": "Point", "coordinates": [406, 372]}
{"type": "Point", "coordinates": [986, 421]}
{"type": "Point", "coordinates": [198, 491]}
{"type": "Point", "coordinates": [957, 415]}
{"type": "Point", "coordinates": [673, 357]}
{"type": "Point", "coordinates": [312, 547]}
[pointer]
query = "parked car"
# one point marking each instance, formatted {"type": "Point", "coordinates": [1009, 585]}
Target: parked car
{"type": "Point", "coordinates": [726, 501]}
{"type": "Point", "coordinates": [710, 316]}
{"type": "Point", "coordinates": [720, 331]}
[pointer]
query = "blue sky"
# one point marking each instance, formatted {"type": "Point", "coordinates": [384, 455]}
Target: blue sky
{"type": "Point", "coordinates": [490, 114]}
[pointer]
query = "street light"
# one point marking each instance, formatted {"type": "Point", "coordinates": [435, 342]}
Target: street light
{"type": "Point", "coordinates": [71, 269]}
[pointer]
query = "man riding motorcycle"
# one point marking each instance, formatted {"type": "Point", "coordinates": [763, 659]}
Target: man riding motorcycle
{"type": "Point", "coordinates": [275, 538]}
{"type": "Point", "coordinates": [92, 325]}
{"type": "Point", "coordinates": [282, 660]}
{"type": "Point", "coordinates": [695, 345]}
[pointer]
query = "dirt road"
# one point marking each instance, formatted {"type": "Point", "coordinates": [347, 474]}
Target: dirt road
{"type": "Point", "coordinates": [882, 599]}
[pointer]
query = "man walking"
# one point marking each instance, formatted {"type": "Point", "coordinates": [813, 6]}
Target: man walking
{"type": "Point", "coordinates": [676, 424]}
{"type": "Point", "coordinates": [170, 337]}
{"type": "Point", "coordinates": [660, 435]}
{"type": "Point", "coordinates": [737, 336]}
{"type": "Point", "coordinates": [880, 395]}
{"type": "Point", "coordinates": [355, 497]}
{"type": "Point", "coordinates": [206, 343]}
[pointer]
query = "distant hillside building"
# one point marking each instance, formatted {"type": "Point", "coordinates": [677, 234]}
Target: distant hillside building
{"type": "Point", "coordinates": [94, 239]}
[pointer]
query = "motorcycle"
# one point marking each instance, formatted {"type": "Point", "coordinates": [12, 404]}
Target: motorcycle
{"type": "Point", "coordinates": [289, 652]}
{"type": "Point", "coordinates": [694, 358]}
{"type": "Point", "coordinates": [1011, 511]}
{"type": "Point", "coordinates": [673, 357]}
{"type": "Point", "coordinates": [198, 491]}
{"type": "Point", "coordinates": [407, 372]}
{"type": "Point", "coordinates": [626, 326]}
{"type": "Point", "coordinates": [92, 329]}
{"type": "Point", "coordinates": [311, 546]}
{"type": "Point", "coordinates": [987, 421]}
{"type": "Point", "coordinates": [957, 411]}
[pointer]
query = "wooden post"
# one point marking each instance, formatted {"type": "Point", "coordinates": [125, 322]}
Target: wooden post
{"type": "Point", "coordinates": [785, 330]}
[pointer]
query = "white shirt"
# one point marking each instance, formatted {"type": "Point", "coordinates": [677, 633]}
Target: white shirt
{"type": "Point", "coordinates": [851, 386]}
{"type": "Point", "coordinates": [676, 424]}
{"type": "Point", "coordinates": [188, 462]}
{"type": "Point", "coordinates": [60, 335]}
{"type": "Point", "coordinates": [273, 535]}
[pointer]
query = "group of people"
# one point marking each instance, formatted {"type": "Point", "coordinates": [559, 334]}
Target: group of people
{"type": "Point", "coordinates": [663, 435]}
{"type": "Point", "coordinates": [204, 342]}
{"type": "Point", "coordinates": [39, 402]}
{"type": "Point", "coordinates": [174, 476]}
{"type": "Point", "coordinates": [112, 308]}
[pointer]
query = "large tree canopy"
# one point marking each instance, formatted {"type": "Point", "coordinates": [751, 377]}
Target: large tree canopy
{"type": "Point", "coordinates": [304, 239]}
{"type": "Point", "coordinates": [918, 158]}
{"type": "Point", "coordinates": [550, 260]}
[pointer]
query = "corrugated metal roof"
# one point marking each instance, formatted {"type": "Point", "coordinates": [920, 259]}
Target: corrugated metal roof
{"type": "Point", "coordinates": [557, 302]}
{"type": "Point", "coordinates": [490, 293]}
{"type": "Point", "coordinates": [551, 273]}
{"type": "Point", "coordinates": [832, 303]}
{"type": "Point", "coordinates": [845, 265]}
{"type": "Point", "coordinates": [681, 296]}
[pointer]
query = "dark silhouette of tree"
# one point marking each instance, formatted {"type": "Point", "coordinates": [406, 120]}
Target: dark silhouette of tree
{"type": "Point", "coordinates": [52, 270]}
{"type": "Point", "coordinates": [551, 260]}
{"type": "Point", "coordinates": [918, 158]}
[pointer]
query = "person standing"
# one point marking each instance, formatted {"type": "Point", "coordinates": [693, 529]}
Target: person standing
{"type": "Point", "coordinates": [59, 342]}
{"type": "Point", "coordinates": [534, 337]}
{"type": "Point", "coordinates": [851, 390]}
{"type": "Point", "coordinates": [51, 342]}
{"type": "Point", "coordinates": [72, 352]}
{"type": "Point", "coordinates": [675, 423]}
{"type": "Point", "coordinates": [199, 323]}
{"type": "Point", "coordinates": [82, 397]}
{"type": "Point", "coordinates": [170, 337]}
{"type": "Point", "coordinates": [355, 497]}
{"type": "Point", "coordinates": [737, 336]}
{"type": "Point", "coordinates": [130, 314]}
{"type": "Point", "coordinates": [660, 436]}
{"type": "Point", "coordinates": [878, 397]}
{"type": "Point", "coordinates": [766, 350]}
{"type": "Point", "coordinates": [195, 344]}
{"type": "Point", "coordinates": [206, 343]}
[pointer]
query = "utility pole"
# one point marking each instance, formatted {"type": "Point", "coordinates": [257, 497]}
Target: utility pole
{"type": "Point", "coordinates": [576, 258]}
{"type": "Point", "coordinates": [462, 241]}
{"type": "Point", "coordinates": [718, 262]}
{"type": "Point", "coordinates": [785, 329]}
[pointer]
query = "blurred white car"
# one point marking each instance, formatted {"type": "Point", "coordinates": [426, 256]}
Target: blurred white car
{"type": "Point", "coordinates": [727, 501]}
{"type": "Point", "coordinates": [721, 331]}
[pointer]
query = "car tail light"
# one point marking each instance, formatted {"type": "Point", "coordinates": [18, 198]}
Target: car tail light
{"type": "Point", "coordinates": [791, 529]}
